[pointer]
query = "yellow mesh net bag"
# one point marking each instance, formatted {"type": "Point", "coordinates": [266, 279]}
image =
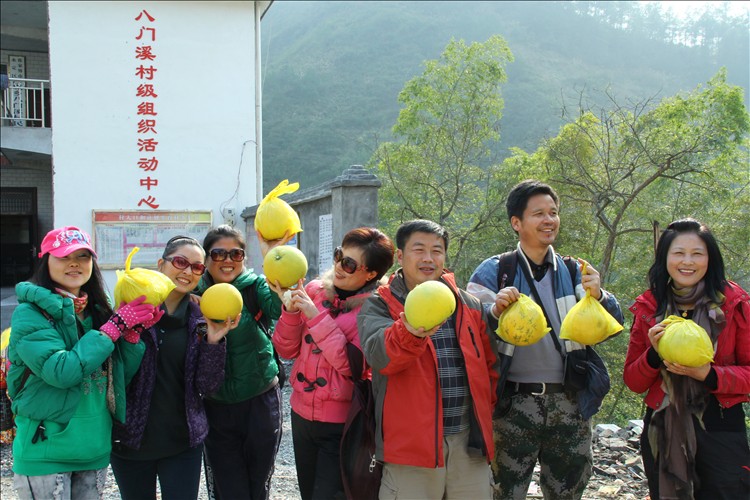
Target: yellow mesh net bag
{"type": "Point", "coordinates": [132, 283]}
{"type": "Point", "coordinates": [274, 216]}
{"type": "Point", "coordinates": [685, 342]}
{"type": "Point", "coordinates": [588, 322]}
{"type": "Point", "coordinates": [522, 322]}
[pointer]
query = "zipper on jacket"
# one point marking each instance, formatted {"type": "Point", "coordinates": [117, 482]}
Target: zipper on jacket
{"type": "Point", "coordinates": [474, 342]}
{"type": "Point", "coordinates": [437, 416]}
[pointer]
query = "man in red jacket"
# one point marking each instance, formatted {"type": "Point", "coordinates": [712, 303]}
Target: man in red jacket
{"type": "Point", "coordinates": [434, 389]}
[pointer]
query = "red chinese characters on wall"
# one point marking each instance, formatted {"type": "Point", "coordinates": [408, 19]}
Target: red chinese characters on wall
{"type": "Point", "coordinates": [146, 110]}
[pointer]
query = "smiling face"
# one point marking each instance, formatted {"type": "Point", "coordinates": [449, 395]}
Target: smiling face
{"type": "Point", "coordinates": [224, 271]}
{"type": "Point", "coordinates": [422, 258]}
{"type": "Point", "coordinates": [72, 271]}
{"type": "Point", "coordinates": [538, 228]}
{"type": "Point", "coordinates": [687, 260]}
{"type": "Point", "coordinates": [361, 275]}
{"type": "Point", "coordinates": [185, 280]}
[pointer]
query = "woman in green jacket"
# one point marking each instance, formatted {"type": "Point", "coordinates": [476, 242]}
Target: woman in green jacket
{"type": "Point", "coordinates": [70, 356]}
{"type": "Point", "coordinates": [244, 415]}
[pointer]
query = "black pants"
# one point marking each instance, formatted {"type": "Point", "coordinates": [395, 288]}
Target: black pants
{"type": "Point", "coordinates": [722, 463]}
{"type": "Point", "coordinates": [316, 455]}
{"type": "Point", "coordinates": [179, 476]}
{"type": "Point", "coordinates": [242, 443]}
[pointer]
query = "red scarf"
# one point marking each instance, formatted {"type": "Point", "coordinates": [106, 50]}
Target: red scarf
{"type": "Point", "coordinates": [79, 303]}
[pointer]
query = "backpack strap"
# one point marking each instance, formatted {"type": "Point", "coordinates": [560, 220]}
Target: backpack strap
{"type": "Point", "coordinates": [250, 298]}
{"type": "Point", "coordinates": [570, 263]}
{"type": "Point", "coordinates": [506, 269]}
{"type": "Point", "coordinates": [356, 361]}
{"type": "Point", "coordinates": [508, 262]}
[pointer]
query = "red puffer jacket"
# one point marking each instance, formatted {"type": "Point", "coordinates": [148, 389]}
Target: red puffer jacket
{"type": "Point", "coordinates": [731, 360]}
{"type": "Point", "coordinates": [409, 406]}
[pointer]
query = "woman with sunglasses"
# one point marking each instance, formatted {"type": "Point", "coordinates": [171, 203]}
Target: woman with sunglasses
{"type": "Point", "coordinates": [70, 357]}
{"type": "Point", "coordinates": [244, 415]}
{"type": "Point", "coordinates": [316, 324]}
{"type": "Point", "coordinates": [166, 421]}
{"type": "Point", "coordinates": [694, 442]}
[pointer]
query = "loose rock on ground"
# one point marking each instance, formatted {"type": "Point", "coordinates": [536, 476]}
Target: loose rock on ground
{"type": "Point", "coordinates": [617, 472]}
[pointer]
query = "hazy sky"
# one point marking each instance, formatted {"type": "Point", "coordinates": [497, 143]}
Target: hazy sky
{"type": "Point", "coordinates": [684, 9]}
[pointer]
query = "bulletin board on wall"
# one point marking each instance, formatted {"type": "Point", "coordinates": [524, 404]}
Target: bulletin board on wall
{"type": "Point", "coordinates": [117, 232]}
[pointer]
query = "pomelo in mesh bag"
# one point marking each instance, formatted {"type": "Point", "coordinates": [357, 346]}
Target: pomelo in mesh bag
{"type": "Point", "coordinates": [132, 283]}
{"type": "Point", "coordinates": [429, 304]}
{"type": "Point", "coordinates": [221, 301]}
{"type": "Point", "coordinates": [685, 342]}
{"type": "Point", "coordinates": [275, 217]}
{"type": "Point", "coordinates": [588, 322]}
{"type": "Point", "coordinates": [522, 322]}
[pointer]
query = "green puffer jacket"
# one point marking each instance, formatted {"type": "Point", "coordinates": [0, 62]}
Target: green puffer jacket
{"type": "Point", "coordinates": [64, 388]}
{"type": "Point", "coordinates": [250, 367]}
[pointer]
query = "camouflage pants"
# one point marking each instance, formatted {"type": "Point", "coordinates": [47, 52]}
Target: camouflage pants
{"type": "Point", "coordinates": [547, 428]}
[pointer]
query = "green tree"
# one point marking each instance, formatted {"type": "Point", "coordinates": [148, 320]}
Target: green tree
{"type": "Point", "coordinates": [629, 166]}
{"type": "Point", "coordinates": [439, 166]}
{"type": "Point", "coordinates": [622, 172]}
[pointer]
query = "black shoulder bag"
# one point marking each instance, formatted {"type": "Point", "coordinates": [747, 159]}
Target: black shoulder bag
{"type": "Point", "coordinates": [250, 298]}
{"type": "Point", "coordinates": [360, 471]}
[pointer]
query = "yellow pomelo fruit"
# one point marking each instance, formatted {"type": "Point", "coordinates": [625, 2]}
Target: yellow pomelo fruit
{"type": "Point", "coordinates": [685, 342]}
{"type": "Point", "coordinates": [274, 217]}
{"type": "Point", "coordinates": [4, 338]}
{"type": "Point", "coordinates": [588, 322]}
{"type": "Point", "coordinates": [522, 322]}
{"type": "Point", "coordinates": [429, 304]}
{"type": "Point", "coordinates": [132, 283]}
{"type": "Point", "coordinates": [284, 264]}
{"type": "Point", "coordinates": [221, 301]}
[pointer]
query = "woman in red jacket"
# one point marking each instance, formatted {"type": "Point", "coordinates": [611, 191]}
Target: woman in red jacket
{"type": "Point", "coordinates": [694, 442]}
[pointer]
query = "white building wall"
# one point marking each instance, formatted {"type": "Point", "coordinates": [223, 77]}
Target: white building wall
{"type": "Point", "coordinates": [204, 79]}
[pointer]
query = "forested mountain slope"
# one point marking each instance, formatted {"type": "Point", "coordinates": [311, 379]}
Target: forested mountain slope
{"type": "Point", "coordinates": [332, 71]}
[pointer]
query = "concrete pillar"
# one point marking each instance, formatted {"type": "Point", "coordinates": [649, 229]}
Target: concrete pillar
{"type": "Point", "coordinates": [351, 199]}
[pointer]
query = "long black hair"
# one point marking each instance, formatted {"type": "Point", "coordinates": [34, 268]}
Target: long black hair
{"type": "Point", "coordinates": [658, 277]}
{"type": "Point", "coordinates": [98, 304]}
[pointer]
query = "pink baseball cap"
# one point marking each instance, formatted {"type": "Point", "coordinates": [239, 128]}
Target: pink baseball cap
{"type": "Point", "coordinates": [66, 240]}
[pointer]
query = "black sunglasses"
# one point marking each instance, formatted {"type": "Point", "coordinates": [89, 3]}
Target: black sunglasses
{"type": "Point", "coordinates": [348, 264]}
{"type": "Point", "coordinates": [320, 382]}
{"type": "Point", "coordinates": [219, 254]}
{"type": "Point", "coordinates": [182, 263]}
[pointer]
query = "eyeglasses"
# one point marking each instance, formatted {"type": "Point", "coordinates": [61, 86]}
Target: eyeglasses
{"type": "Point", "coordinates": [320, 382]}
{"type": "Point", "coordinates": [309, 340]}
{"type": "Point", "coordinates": [219, 254]}
{"type": "Point", "coordinates": [182, 263]}
{"type": "Point", "coordinates": [349, 265]}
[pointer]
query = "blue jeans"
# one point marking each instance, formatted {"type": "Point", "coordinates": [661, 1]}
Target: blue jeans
{"type": "Point", "coordinates": [78, 485]}
{"type": "Point", "coordinates": [179, 476]}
